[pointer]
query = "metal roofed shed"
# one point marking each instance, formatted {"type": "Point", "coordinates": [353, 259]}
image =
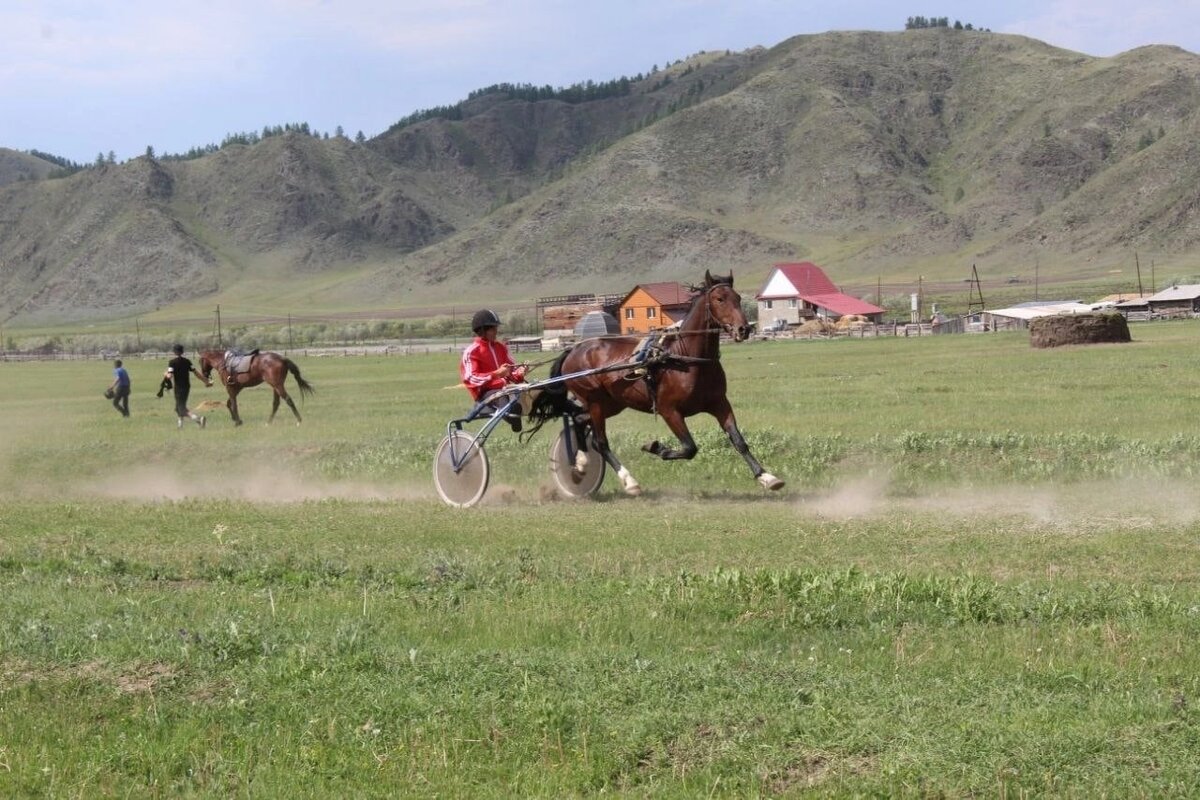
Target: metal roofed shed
{"type": "Point", "coordinates": [597, 323]}
{"type": "Point", "coordinates": [1018, 316]}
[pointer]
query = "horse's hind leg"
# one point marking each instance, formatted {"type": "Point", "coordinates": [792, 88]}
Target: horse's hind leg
{"type": "Point", "coordinates": [274, 407]}
{"type": "Point", "coordinates": [287, 398]}
{"type": "Point", "coordinates": [600, 435]}
{"type": "Point", "coordinates": [725, 418]}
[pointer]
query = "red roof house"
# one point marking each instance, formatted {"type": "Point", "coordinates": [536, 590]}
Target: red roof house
{"type": "Point", "coordinates": [797, 292]}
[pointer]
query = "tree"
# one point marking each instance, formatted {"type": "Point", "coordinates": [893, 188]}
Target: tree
{"type": "Point", "coordinates": [339, 133]}
{"type": "Point", "coordinates": [149, 151]}
{"type": "Point", "coordinates": [112, 157]}
{"type": "Point", "coordinates": [358, 137]}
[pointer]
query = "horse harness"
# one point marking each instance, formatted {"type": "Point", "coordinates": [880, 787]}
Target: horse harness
{"type": "Point", "coordinates": [651, 357]}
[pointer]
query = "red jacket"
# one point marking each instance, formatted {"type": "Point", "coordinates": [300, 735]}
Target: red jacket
{"type": "Point", "coordinates": [479, 361]}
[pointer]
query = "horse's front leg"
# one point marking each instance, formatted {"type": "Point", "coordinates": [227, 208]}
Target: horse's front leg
{"type": "Point", "coordinates": [231, 404]}
{"type": "Point", "coordinates": [687, 445]}
{"type": "Point", "coordinates": [600, 436]}
{"type": "Point", "coordinates": [725, 418]}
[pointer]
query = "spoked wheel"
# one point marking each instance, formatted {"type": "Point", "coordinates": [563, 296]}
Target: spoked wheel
{"type": "Point", "coordinates": [465, 487]}
{"type": "Point", "coordinates": [573, 484]}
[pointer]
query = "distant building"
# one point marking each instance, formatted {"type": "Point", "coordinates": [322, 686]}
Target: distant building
{"type": "Point", "coordinates": [795, 293]}
{"type": "Point", "coordinates": [650, 306]}
{"type": "Point", "coordinates": [1181, 300]}
{"type": "Point", "coordinates": [1018, 316]}
{"type": "Point", "coordinates": [562, 313]}
{"type": "Point", "coordinates": [597, 323]}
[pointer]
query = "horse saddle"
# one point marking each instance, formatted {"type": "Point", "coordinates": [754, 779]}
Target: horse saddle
{"type": "Point", "coordinates": [237, 361]}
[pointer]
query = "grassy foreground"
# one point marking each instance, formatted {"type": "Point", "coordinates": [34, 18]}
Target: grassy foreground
{"type": "Point", "coordinates": [981, 579]}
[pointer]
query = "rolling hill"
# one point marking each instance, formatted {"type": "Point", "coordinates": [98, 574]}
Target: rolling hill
{"type": "Point", "coordinates": [880, 155]}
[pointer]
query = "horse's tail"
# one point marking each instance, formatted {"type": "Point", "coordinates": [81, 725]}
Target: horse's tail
{"type": "Point", "coordinates": [552, 402]}
{"type": "Point", "coordinates": [305, 387]}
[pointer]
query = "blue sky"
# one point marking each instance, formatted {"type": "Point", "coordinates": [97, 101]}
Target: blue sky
{"type": "Point", "coordinates": [79, 78]}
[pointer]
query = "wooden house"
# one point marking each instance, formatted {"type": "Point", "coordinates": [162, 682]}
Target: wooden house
{"type": "Point", "coordinates": [1181, 300]}
{"type": "Point", "coordinates": [650, 306]}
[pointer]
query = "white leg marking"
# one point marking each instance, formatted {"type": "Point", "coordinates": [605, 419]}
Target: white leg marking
{"type": "Point", "coordinates": [769, 481]}
{"type": "Point", "coordinates": [632, 487]}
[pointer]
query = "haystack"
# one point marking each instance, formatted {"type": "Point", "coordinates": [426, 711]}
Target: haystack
{"type": "Point", "coordinates": [817, 325]}
{"type": "Point", "coordinates": [1060, 329]}
{"type": "Point", "coordinates": [851, 322]}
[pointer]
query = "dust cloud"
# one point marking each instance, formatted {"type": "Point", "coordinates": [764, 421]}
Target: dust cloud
{"type": "Point", "coordinates": [1131, 502]}
{"type": "Point", "coordinates": [257, 486]}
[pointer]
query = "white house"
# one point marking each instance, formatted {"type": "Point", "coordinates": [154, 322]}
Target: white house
{"type": "Point", "coordinates": [798, 292]}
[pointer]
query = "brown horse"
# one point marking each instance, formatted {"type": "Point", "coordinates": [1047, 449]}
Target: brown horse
{"type": "Point", "coordinates": [684, 379]}
{"type": "Point", "coordinates": [268, 367]}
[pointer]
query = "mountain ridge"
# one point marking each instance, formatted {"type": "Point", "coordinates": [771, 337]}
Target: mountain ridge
{"type": "Point", "coordinates": [879, 155]}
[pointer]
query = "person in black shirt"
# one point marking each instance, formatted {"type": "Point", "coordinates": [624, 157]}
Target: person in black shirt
{"type": "Point", "coordinates": [180, 371]}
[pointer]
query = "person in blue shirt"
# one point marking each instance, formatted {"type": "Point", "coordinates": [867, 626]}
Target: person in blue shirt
{"type": "Point", "coordinates": [120, 388]}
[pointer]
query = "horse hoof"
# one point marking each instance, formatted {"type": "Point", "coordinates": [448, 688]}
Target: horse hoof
{"type": "Point", "coordinates": [633, 491]}
{"type": "Point", "coordinates": [652, 447]}
{"type": "Point", "coordinates": [769, 481]}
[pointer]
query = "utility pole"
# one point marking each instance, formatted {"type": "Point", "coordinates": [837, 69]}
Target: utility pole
{"type": "Point", "coordinates": [1153, 283]}
{"type": "Point", "coordinates": [137, 326]}
{"type": "Point", "coordinates": [220, 343]}
{"type": "Point", "coordinates": [1037, 265]}
{"type": "Point", "coordinates": [1138, 265]}
{"type": "Point", "coordinates": [978, 287]}
{"type": "Point", "coordinates": [289, 330]}
{"type": "Point", "coordinates": [879, 290]}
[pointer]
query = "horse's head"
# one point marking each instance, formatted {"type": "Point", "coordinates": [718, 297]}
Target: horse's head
{"type": "Point", "coordinates": [725, 306]}
{"type": "Point", "coordinates": [206, 364]}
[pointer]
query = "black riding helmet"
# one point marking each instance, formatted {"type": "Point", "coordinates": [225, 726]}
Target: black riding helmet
{"type": "Point", "coordinates": [484, 318]}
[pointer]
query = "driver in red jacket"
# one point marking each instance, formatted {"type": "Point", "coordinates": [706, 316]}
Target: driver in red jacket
{"type": "Point", "coordinates": [486, 366]}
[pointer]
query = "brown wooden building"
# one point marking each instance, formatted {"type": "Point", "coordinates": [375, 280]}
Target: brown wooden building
{"type": "Point", "coordinates": [650, 306]}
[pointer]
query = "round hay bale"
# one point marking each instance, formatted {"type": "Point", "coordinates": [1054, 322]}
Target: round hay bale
{"type": "Point", "coordinates": [1078, 329]}
{"type": "Point", "coordinates": [851, 322]}
{"type": "Point", "coordinates": [817, 325]}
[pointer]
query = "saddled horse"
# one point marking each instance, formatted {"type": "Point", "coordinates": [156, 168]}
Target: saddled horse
{"type": "Point", "coordinates": [270, 368]}
{"type": "Point", "coordinates": [684, 377]}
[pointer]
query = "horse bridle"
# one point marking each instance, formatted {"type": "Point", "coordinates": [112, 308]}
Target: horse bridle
{"type": "Point", "coordinates": [709, 317]}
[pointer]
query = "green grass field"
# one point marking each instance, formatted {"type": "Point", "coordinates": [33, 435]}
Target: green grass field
{"type": "Point", "coordinates": [981, 579]}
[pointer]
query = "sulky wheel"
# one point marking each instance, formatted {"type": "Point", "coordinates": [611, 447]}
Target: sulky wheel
{"type": "Point", "coordinates": [465, 487]}
{"type": "Point", "coordinates": [571, 483]}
